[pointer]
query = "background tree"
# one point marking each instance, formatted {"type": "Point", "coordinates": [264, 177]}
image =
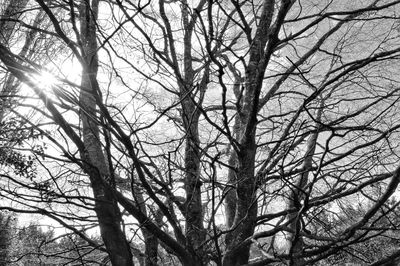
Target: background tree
{"type": "Point", "coordinates": [7, 222]}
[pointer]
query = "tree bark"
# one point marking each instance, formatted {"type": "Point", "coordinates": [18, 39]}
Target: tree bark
{"type": "Point", "coordinates": [297, 194]}
{"type": "Point", "coordinates": [106, 207]}
{"type": "Point", "coordinates": [231, 198]}
{"type": "Point", "coordinates": [195, 233]}
{"type": "Point", "coordinates": [150, 240]}
{"type": "Point", "coordinates": [246, 210]}
{"type": "Point", "coordinates": [262, 46]}
{"type": "Point", "coordinates": [246, 207]}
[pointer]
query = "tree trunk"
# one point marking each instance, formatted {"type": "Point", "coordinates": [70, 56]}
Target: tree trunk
{"type": "Point", "coordinates": [6, 235]}
{"type": "Point", "coordinates": [245, 212]}
{"type": "Point", "coordinates": [245, 183]}
{"type": "Point", "coordinates": [150, 241]}
{"type": "Point", "coordinates": [262, 45]}
{"type": "Point", "coordinates": [231, 198]}
{"type": "Point", "coordinates": [151, 248]}
{"type": "Point", "coordinates": [106, 207]}
{"type": "Point", "coordinates": [195, 233]}
{"type": "Point", "coordinates": [297, 195]}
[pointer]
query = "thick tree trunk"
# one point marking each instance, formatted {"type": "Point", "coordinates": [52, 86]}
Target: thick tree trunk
{"type": "Point", "coordinates": [231, 198]}
{"type": "Point", "coordinates": [262, 46]}
{"type": "Point", "coordinates": [195, 233]}
{"type": "Point", "coordinates": [245, 183]}
{"type": "Point", "coordinates": [106, 207]}
{"type": "Point", "coordinates": [151, 248]}
{"type": "Point", "coordinates": [245, 212]}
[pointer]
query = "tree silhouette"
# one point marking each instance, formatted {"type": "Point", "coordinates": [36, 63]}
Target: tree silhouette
{"type": "Point", "coordinates": [204, 130]}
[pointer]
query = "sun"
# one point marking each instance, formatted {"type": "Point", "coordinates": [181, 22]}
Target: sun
{"type": "Point", "coordinates": [68, 71]}
{"type": "Point", "coordinates": [45, 80]}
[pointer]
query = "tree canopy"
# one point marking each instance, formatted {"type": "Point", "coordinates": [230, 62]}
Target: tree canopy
{"type": "Point", "coordinates": [204, 132]}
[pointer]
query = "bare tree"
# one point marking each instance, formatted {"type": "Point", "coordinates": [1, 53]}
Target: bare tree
{"type": "Point", "coordinates": [213, 130]}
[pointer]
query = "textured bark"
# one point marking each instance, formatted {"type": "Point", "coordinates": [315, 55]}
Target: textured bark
{"type": "Point", "coordinates": [246, 207]}
{"type": "Point", "coordinates": [151, 248]}
{"type": "Point", "coordinates": [6, 235]}
{"type": "Point", "coordinates": [106, 207]}
{"type": "Point", "coordinates": [262, 47]}
{"type": "Point", "coordinates": [297, 195]}
{"type": "Point", "coordinates": [195, 233]}
{"type": "Point", "coordinates": [231, 198]}
{"type": "Point", "coordinates": [246, 210]}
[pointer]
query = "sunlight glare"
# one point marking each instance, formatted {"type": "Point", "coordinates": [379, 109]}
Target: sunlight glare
{"type": "Point", "coordinates": [45, 80]}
